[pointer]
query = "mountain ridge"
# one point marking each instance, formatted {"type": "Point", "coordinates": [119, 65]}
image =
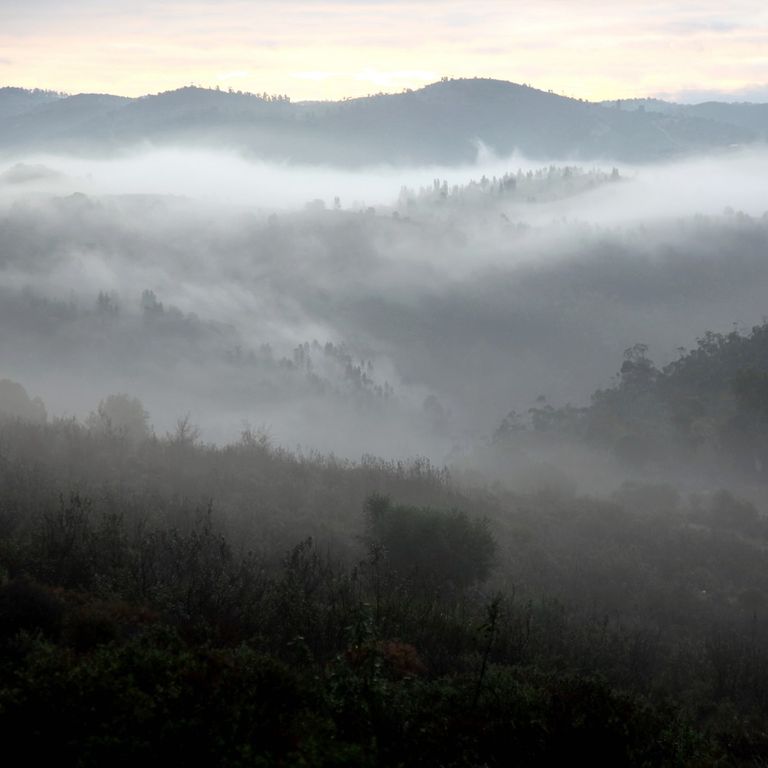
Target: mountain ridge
{"type": "Point", "coordinates": [441, 123]}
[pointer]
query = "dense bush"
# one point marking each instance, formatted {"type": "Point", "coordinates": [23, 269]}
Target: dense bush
{"type": "Point", "coordinates": [26, 606]}
{"type": "Point", "coordinates": [442, 548]}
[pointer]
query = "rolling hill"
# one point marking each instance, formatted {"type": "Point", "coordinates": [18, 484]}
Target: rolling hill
{"type": "Point", "coordinates": [444, 122]}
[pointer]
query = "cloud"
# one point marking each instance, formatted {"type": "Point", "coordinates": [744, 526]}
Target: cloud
{"type": "Point", "coordinates": [394, 77]}
{"type": "Point", "coordinates": [703, 26]}
{"type": "Point", "coordinates": [237, 74]}
{"type": "Point", "coordinates": [317, 75]}
{"type": "Point", "coordinates": [602, 51]}
{"type": "Point", "coordinates": [757, 94]}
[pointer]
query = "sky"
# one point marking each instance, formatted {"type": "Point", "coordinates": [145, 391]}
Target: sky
{"type": "Point", "coordinates": [313, 49]}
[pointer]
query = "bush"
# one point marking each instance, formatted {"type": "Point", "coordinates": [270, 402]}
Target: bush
{"type": "Point", "coordinates": [26, 606]}
{"type": "Point", "coordinates": [437, 547]}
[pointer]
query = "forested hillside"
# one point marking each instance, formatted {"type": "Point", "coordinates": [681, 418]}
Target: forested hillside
{"type": "Point", "coordinates": [443, 123]}
{"type": "Point", "coordinates": [706, 410]}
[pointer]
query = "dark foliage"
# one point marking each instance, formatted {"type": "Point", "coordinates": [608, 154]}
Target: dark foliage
{"type": "Point", "coordinates": [708, 409]}
{"type": "Point", "coordinates": [444, 549]}
{"type": "Point", "coordinates": [144, 623]}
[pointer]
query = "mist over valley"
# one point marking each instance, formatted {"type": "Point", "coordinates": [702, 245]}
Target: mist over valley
{"type": "Point", "coordinates": [385, 310]}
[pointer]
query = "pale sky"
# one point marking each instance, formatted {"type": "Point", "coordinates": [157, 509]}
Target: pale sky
{"type": "Point", "coordinates": [592, 49]}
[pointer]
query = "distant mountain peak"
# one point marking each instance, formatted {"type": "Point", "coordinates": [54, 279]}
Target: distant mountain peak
{"type": "Point", "coordinates": [440, 123]}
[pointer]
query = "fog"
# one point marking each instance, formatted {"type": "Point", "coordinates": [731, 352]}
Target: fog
{"type": "Point", "coordinates": [698, 185]}
{"type": "Point", "coordinates": [376, 311]}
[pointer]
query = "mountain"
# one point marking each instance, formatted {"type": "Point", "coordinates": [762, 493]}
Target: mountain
{"type": "Point", "coordinates": [444, 122]}
{"type": "Point", "coordinates": [17, 101]}
{"type": "Point", "coordinates": [752, 117]}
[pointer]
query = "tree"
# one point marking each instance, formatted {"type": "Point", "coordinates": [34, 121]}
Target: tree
{"type": "Point", "coordinates": [186, 433]}
{"type": "Point", "coordinates": [437, 548]}
{"type": "Point", "coordinates": [121, 415]}
{"type": "Point", "coordinates": [15, 403]}
{"type": "Point", "coordinates": [150, 306]}
{"type": "Point", "coordinates": [106, 304]}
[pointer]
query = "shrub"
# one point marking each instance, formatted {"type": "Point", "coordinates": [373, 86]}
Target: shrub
{"type": "Point", "coordinates": [437, 547]}
{"type": "Point", "coordinates": [26, 606]}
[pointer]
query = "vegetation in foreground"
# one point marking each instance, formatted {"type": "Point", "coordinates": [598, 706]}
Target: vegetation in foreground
{"type": "Point", "coordinates": [164, 600]}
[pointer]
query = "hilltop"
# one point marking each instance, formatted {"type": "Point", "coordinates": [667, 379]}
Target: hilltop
{"type": "Point", "coordinates": [444, 122]}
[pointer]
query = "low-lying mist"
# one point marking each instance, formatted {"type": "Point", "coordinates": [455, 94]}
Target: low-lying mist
{"type": "Point", "coordinates": [698, 185]}
{"type": "Point", "coordinates": [397, 312]}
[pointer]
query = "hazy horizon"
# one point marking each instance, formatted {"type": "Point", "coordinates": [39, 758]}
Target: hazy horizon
{"type": "Point", "coordinates": [314, 49]}
{"type": "Point", "coordinates": [750, 94]}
